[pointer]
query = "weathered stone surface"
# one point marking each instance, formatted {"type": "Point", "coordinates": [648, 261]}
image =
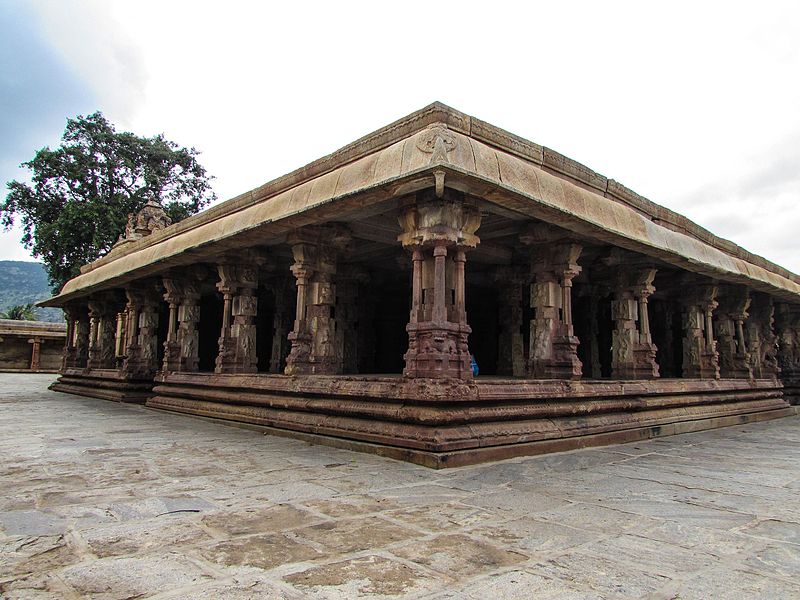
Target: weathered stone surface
{"type": "Point", "coordinates": [460, 555]}
{"type": "Point", "coordinates": [366, 577]}
{"type": "Point", "coordinates": [704, 515]}
{"type": "Point", "coordinates": [260, 551]}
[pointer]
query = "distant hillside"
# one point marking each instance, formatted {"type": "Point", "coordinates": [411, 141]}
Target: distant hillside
{"type": "Point", "coordinates": [26, 282]}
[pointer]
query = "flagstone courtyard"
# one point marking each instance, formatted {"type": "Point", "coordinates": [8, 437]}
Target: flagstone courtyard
{"type": "Point", "coordinates": [112, 501]}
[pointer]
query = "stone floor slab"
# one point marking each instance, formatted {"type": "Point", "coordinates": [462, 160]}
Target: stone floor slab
{"type": "Point", "coordinates": [104, 500]}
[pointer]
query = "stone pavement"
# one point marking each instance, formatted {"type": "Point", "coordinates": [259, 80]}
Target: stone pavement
{"type": "Point", "coordinates": [103, 500]}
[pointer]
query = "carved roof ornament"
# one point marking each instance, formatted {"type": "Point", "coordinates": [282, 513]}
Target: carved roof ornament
{"type": "Point", "coordinates": [437, 141]}
{"type": "Point", "coordinates": [150, 218]}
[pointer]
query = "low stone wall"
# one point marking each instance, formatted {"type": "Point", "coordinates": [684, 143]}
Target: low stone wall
{"type": "Point", "coordinates": [31, 346]}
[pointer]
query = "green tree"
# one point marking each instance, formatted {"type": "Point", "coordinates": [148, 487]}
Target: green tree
{"type": "Point", "coordinates": [82, 192]}
{"type": "Point", "coordinates": [20, 312]}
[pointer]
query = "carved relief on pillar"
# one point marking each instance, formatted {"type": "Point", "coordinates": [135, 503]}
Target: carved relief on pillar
{"type": "Point", "coordinates": [141, 354]}
{"type": "Point", "coordinates": [730, 319]}
{"type": "Point", "coordinates": [633, 353]}
{"type": "Point", "coordinates": [281, 323]}
{"type": "Point", "coordinates": [76, 344]}
{"type": "Point", "coordinates": [315, 348]}
{"type": "Point", "coordinates": [787, 327]}
{"type": "Point", "coordinates": [700, 357]}
{"type": "Point", "coordinates": [511, 349]}
{"type": "Point", "coordinates": [438, 230]}
{"type": "Point", "coordinates": [238, 285]}
{"type": "Point", "coordinates": [103, 324]}
{"type": "Point", "coordinates": [349, 282]}
{"type": "Point", "coordinates": [553, 348]}
{"type": "Point", "coordinates": [183, 338]}
{"type": "Point", "coordinates": [760, 337]}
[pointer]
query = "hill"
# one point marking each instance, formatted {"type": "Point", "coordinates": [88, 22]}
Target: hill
{"type": "Point", "coordinates": [25, 282]}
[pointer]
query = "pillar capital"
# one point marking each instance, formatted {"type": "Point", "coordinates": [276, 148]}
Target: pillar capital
{"type": "Point", "coordinates": [451, 220]}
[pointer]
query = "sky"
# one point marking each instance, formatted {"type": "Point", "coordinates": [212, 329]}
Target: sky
{"type": "Point", "coordinates": [695, 105]}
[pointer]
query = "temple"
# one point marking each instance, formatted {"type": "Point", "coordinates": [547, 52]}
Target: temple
{"type": "Point", "coordinates": [343, 304]}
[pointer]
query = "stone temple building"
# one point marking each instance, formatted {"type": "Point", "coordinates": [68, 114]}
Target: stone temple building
{"type": "Point", "coordinates": [342, 303]}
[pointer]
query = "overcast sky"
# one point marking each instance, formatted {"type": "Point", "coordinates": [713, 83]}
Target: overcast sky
{"type": "Point", "coordinates": [695, 105]}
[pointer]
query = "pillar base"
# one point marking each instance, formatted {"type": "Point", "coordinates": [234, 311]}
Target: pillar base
{"type": "Point", "coordinates": [564, 363]}
{"type": "Point", "coordinates": [438, 351]}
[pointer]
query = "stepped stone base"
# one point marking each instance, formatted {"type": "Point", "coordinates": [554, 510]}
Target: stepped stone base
{"type": "Point", "coordinates": [107, 384]}
{"type": "Point", "coordinates": [452, 424]}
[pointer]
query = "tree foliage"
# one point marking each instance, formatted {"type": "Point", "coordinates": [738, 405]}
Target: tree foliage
{"type": "Point", "coordinates": [82, 192]}
{"type": "Point", "coordinates": [20, 312]}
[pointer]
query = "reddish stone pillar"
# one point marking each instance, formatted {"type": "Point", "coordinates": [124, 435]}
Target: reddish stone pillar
{"type": "Point", "coordinates": [314, 349]}
{"type": "Point", "coordinates": [141, 353]}
{"type": "Point", "coordinates": [511, 351]}
{"type": "Point", "coordinates": [761, 339]}
{"type": "Point", "coordinates": [700, 358]}
{"type": "Point", "coordinates": [103, 313]}
{"type": "Point", "coordinates": [553, 349]}
{"type": "Point", "coordinates": [36, 349]}
{"type": "Point", "coordinates": [237, 343]}
{"type": "Point", "coordinates": [76, 342]}
{"type": "Point", "coordinates": [633, 353]}
{"type": "Point", "coordinates": [281, 325]}
{"type": "Point", "coordinates": [438, 231]}
{"type": "Point", "coordinates": [734, 359]}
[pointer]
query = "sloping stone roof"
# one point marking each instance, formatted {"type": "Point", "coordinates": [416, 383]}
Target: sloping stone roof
{"type": "Point", "coordinates": [475, 157]}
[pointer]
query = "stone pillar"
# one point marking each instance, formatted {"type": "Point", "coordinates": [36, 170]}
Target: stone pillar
{"type": "Point", "coordinates": [553, 348]}
{"type": "Point", "coordinates": [172, 347]}
{"type": "Point", "coordinates": [348, 286]}
{"type": "Point", "coordinates": [511, 350]}
{"type": "Point", "coordinates": [188, 336]}
{"type": "Point", "coordinates": [36, 349]}
{"type": "Point", "coordinates": [438, 231]}
{"type": "Point", "coordinates": [237, 343]}
{"type": "Point", "coordinates": [700, 358]}
{"type": "Point", "coordinates": [82, 330]}
{"type": "Point", "coordinates": [734, 359]}
{"type": "Point", "coordinates": [761, 340]}
{"type": "Point", "coordinates": [103, 316]}
{"type": "Point", "coordinates": [367, 305]}
{"type": "Point", "coordinates": [183, 338]}
{"type": "Point", "coordinates": [633, 354]}
{"type": "Point", "coordinates": [77, 333]}
{"type": "Point", "coordinates": [314, 342]}
{"type": "Point", "coordinates": [141, 355]}
{"type": "Point", "coordinates": [594, 333]}
{"type": "Point", "coordinates": [281, 325]}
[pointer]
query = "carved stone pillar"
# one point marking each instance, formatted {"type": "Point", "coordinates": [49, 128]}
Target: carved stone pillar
{"type": "Point", "coordinates": [511, 350]}
{"type": "Point", "coordinates": [553, 350]}
{"type": "Point", "coordinates": [633, 353]}
{"type": "Point", "coordinates": [237, 343]}
{"type": "Point", "coordinates": [103, 313]}
{"type": "Point", "coordinates": [183, 337]}
{"type": "Point", "coordinates": [367, 305]}
{"type": "Point", "coordinates": [82, 330]}
{"type": "Point", "coordinates": [438, 230]}
{"type": "Point", "coordinates": [141, 355]}
{"type": "Point", "coordinates": [700, 358]}
{"type": "Point", "coordinates": [734, 359]}
{"type": "Point", "coordinates": [787, 327]}
{"type": "Point", "coordinates": [172, 347]}
{"type": "Point", "coordinates": [188, 323]}
{"type": "Point", "coordinates": [761, 340]}
{"type": "Point", "coordinates": [348, 285]}
{"type": "Point", "coordinates": [281, 324]}
{"type": "Point", "coordinates": [76, 334]}
{"type": "Point", "coordinates": [314, 348]}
